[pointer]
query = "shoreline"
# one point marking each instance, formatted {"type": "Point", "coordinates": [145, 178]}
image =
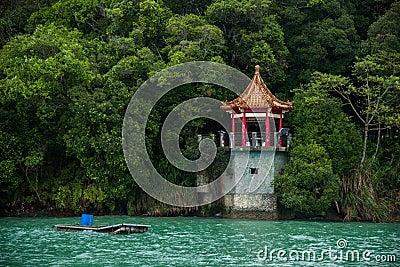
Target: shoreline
{"type": "Point", "coordinates": [330, 217]}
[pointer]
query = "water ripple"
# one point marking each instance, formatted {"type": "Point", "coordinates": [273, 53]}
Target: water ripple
{"type": "Point", "coordinates": [187, 242]}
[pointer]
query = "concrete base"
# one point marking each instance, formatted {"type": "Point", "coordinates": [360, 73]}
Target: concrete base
{"type": "Point", "coordinates": [251, 206]}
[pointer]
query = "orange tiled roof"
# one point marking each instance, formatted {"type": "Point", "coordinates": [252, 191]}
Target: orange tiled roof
{"type": "Point", "coordinates": [257, 95]}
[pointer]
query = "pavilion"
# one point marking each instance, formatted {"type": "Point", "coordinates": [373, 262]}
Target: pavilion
{"type": "Point", "coordinates": [256, 108]}
{"type": "Point", "coordinates": [257, 150]}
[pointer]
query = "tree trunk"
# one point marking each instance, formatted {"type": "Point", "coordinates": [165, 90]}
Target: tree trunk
{"type": "Point", "coordinates": [364, 152]}
{"type": "Point", "coordinates": [26, 172]}
{"type": "Point", "coordinates": [378, 142]}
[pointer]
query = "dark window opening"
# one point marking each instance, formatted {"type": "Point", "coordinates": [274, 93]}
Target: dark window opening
{"type": "Point", "coordinates": [253, 170]}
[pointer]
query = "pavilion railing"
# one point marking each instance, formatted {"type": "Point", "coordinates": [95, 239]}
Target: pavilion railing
{"type": "Point", "coordinates": [277, 140]}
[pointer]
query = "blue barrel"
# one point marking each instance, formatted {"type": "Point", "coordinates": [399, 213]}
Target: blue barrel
{"type": "Point", "coordinates": [87, 219]}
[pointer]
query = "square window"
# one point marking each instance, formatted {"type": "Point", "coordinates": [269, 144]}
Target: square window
{"type": "Point", "coordinates": [253, 170]}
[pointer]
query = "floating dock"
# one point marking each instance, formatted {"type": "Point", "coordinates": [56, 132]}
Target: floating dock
{"type": "Point", "coordinates": [122, 228]}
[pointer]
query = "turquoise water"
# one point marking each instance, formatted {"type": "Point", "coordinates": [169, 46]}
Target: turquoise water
{"type": "Point", "coordinates": [200, 242]}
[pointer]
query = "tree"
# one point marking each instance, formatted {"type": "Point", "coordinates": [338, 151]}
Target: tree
{"type": "Point", "coordinates": [39, 73]}
{"type": "Point", "coordinates": [372, 94]}
{"type": "Point", "coordinates": [325, 148]}
{"type": "Point", "coordinates": [320, 37]}
{"type": "Point", "coordinates": [252, 34]}
{"type": "Point", "coordinates": [102, 19]}
{"type": "Point", "coordinates": [308, 185]}
{"type": "Point", "coordinates": [88, 17]}
{"type": "Point", "coordinates": [188, 6]}
{"type": "Point", "coordinates": [68, 68]}
{"type": "Point", "coordinates": [384, 33]}
{"type": "Point", "coordinates": [151, 22]}
{"type": "Point", "coordinates": [190, 38]}
{"type": "Point", "coordinates": [319, 118]}
{"type": "Point", "coordinates": [14, 14]}
{"type": "Point", "coordinates": [93, 136]}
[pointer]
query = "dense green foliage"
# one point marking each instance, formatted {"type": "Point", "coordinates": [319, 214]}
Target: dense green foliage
{"type": "Point", "coordinates": [309, 184]}
{"type": "Point", "coordinates": [319, 118]}
{"type": "Point", "coordinates": [68, 69]}
{"type": "Point", "coordinates": [326, 146]}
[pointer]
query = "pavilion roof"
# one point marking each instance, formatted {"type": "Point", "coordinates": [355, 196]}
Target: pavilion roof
{"type": "Point", "coordinates": [257, 95]}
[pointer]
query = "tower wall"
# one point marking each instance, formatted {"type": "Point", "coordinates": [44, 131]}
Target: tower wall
{"type": "Point", "coordinates": [253, 196]}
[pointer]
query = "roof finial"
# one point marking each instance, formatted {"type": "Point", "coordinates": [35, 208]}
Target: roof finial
{"type": "Point", "coordinates": [257, 69]}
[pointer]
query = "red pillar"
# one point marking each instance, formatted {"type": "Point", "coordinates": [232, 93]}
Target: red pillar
{"type": "Point", "coordinates": [233, 122]}
{"type": "Point", "coordinates": [280, 127]}
{"type": "Point", "coordinates": [267, 130]}
{"type": "Point", "coordinates": [244, 129]}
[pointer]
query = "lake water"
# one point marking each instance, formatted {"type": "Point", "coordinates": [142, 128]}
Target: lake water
{"type": "Point", "coordinates": [200, 242]}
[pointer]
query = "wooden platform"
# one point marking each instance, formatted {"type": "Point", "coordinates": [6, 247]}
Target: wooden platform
{"type": "Point", "coordinates": [123, 228]}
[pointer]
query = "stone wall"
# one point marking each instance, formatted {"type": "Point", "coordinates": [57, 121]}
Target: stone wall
{"type": "Point", "coordinates": [250, 202]}
{"type": "Point", "coordinates": [253, 206]}
{"type": "Point", "coordinates": [253, 172]}
{"type": "Point", "coordinates": [253, 196]}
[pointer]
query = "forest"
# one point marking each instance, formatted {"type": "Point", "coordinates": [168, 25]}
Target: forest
{"type": "Point", "coordinates": [68, 69]}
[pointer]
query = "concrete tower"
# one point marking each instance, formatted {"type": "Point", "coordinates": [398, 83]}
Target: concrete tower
{"type": "Point", "coordinates": [258, 145]}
